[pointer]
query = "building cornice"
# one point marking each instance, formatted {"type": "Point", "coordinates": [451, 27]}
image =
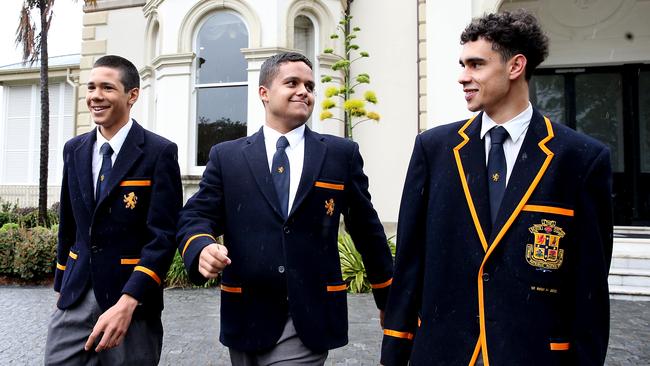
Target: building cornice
{"type": "Point", "coordinates": [102, 5]}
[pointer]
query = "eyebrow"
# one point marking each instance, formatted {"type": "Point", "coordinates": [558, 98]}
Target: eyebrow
{"type": "Point", "coordinates": [103, 83]}
{"type": "Point", "coordinates": [471, 60]}
{"type": "Point", "coordinates": [295, 78]}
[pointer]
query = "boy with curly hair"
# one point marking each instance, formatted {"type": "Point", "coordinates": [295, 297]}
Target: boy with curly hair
{"type": "Point", "coordinates": [504, 238]}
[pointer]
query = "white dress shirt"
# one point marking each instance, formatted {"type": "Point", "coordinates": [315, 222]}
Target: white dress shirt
{"type": "Point", "coordinates": [116, 144]}
{"type": "Point", "coordinates": [516, 128]}
{"type": "Point", "coordinates": [295, 152]}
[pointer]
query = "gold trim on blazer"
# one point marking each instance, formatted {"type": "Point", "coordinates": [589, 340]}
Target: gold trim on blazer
{"type": "Point", "coordinates": [187, 243]}
{"type": "Point", "coordinates": [336, 187]}
{"type": "Point", "coordinates": [506, 226]}
{"type": "Point", "coordinates": [136, 183]}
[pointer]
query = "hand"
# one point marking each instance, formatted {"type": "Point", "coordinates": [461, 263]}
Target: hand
{"type": "Point", "coordinates": [112, 325]}
{"type": "Point", "coordinates": [213, 259]}
{"type": "Point", "coordinates": [381, 318]}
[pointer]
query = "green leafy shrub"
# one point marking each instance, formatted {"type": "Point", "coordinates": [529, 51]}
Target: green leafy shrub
{"type": "Point", "coordinates": [9, 236]}
{"type": "Point", "coordinates": [352, 268]}
{"type": "Point", "coordinates": [30, 219]}
{"type": "Point", "coordinates": [7, 217]}
{"type": "Point", "coordinates": [35, 253]}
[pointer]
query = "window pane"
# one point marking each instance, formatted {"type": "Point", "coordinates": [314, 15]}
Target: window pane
{"type": "Point", "coordinates": [547, 95]}
{"type": "Point", "coordinates": [221, 116]}
{"type": "Point", "coordinates": [219, 59]}
{"type": "Point", "coordinates": [644, 120]}
{"type": "Point", "coordinates": [599, 112]}
{"type": "Point", "coordinates": [20, 101]}
{"type": "Point", "coordinates": [303, 38]}
{"type": "Point", "coordinates": [18, 132]}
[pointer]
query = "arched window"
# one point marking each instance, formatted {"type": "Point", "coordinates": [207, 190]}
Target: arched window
{"type": "Point", "coordinates": [221, 82]}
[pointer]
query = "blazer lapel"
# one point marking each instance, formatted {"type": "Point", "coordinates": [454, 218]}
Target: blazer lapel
{"type": "Point", "coordinates": [315, 151]}
{"type": "Point", "coordinates": [83, 157]}
{"type": "Point", "coordinates": [255, 154]}
{"type": "Point", "coordinates": [470, 161]}
{"type": "Point", "coordinates": [532, 162]}
{"type": "Point", "coordinates": [129, 154]}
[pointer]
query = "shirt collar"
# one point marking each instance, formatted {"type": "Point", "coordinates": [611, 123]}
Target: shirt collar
{"type": "Point", "coordinates": [118, 139]}
{"type": "Point", "coordinates": [294, 136]}
{"type": "Point", "coordinates": [515, 127]}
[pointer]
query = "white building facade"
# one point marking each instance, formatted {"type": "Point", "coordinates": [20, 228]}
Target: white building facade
{"type": "Point", "coordinates": [199, 62]}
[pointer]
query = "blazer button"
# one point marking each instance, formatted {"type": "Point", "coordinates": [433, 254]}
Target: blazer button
{"type": "Point", "coordinates": [287, 230]}
{"type": "Point", "coordinates": [486, 277]}
{"type": "Point", "coordinates": [281, 269]}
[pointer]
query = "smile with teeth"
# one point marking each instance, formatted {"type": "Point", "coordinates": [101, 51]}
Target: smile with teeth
{"type": "Point", "coordinates": [470, 93]}
{"type": "Point", "coordinates": [98, 108]}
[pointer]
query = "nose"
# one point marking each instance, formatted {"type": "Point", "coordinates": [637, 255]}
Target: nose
{"type": "Point", "coordinates": [95, 94]}
{"type": "Point", "coordinates": [302, 89]}
{"type": "Point", "coordinates": [464, 77]}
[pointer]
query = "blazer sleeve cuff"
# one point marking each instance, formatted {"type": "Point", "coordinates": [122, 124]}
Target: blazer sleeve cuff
{"type": "Point", "coordinates": [142, 281]}
{"type": "Point", "coordinates": [190, 252]}
{"type": "Point", "coordinates": [380, 292]}
{"type": "Point", "coordinates": [396, 351]}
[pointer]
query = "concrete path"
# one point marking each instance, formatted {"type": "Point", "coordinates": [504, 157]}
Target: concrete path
{"type": "Point", "coordinates": [191, 321]}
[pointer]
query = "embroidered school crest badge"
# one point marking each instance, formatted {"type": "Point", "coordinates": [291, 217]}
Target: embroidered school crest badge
{"type": "Point", "coordinates": [545, 251]}
{"type": "Point", "coordinates": [329, 205]}
{"type": "Point", "coordinates": [131, 199]}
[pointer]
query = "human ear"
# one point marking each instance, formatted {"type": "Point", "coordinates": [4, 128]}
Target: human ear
{"type": "Point", "coordinates": [263, 93]}
{"type": "Point", "coordinates": [517, 66]}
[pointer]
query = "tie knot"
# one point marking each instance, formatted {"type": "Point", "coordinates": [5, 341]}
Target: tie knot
{"type": "Point", "coordinates": [498, 135]}
{"type": "Point", "coordinates": [282, 143]}
{"type": "Point", "coordinates": [106, 149]}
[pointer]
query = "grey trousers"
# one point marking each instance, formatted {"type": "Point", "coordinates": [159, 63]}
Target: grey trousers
{"type": "Point", "coordinates": [69, 330]}
{"type": "Point", "coordinates": [288, 351]}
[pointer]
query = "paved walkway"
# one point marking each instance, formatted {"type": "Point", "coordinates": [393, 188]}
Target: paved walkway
{"type": "Point", "coordinates": [191, 321]}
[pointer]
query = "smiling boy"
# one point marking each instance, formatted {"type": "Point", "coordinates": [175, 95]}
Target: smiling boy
{"type": "Point", "coordinates": [120, 197]}
{"type": "Point", "coordinates": [504, 238]}
{"type": "Point", "coordinates": [277, 197]}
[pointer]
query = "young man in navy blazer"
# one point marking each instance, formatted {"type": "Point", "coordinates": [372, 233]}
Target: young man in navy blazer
{"type": "Point", "coordinates": [120, 198]}
{"type": "Point", "coordinates": [277, 197]}
{"type": "Point", "coordinates": [505, 238]}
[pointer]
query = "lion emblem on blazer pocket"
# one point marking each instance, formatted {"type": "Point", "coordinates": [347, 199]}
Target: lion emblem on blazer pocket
{"type": "Point", "coordinates": [130, 200]}
{"type": "Point", "coordinates": [329, 206]}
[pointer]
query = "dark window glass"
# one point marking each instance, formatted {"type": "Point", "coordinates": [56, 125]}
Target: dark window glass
{"type": "Point", "coordinates": [547, 95]}
{"type": "Point", "coordinates": [599, 111]}
{"type": "Point", "coordinates": [221, 117]}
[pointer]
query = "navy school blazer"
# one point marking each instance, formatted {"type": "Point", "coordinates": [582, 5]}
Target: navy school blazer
{"type": "Point", "coordinates": [281, 267]}
{"type": "Point", "coordinates": [123, 244]}
{"type": "Point", "coordinates": [530, 290]}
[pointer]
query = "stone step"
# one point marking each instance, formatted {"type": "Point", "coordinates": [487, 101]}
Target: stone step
{"type": "Point", "coordinates": [629, 277]}
{"type": "Point", "coordinates": [632, 230]}
{"type": "Point", "coordinates": [619, 262]}
{"type": "Point", "coordinates": [634, 293]}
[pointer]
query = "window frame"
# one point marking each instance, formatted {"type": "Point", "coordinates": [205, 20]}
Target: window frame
{"type": "Point", "coordinates": [194, 168]}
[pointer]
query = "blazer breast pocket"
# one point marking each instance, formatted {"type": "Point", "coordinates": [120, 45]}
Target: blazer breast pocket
{"type": "Point", "coordinates": [329, 195]}
{"type": "Point", "coordinates": [545, 246]}
{"type": "Point", "coordinates": [132, 202]}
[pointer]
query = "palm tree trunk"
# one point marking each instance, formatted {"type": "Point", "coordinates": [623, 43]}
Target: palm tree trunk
{"type": "Point", "coordinates": [45, 118]}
